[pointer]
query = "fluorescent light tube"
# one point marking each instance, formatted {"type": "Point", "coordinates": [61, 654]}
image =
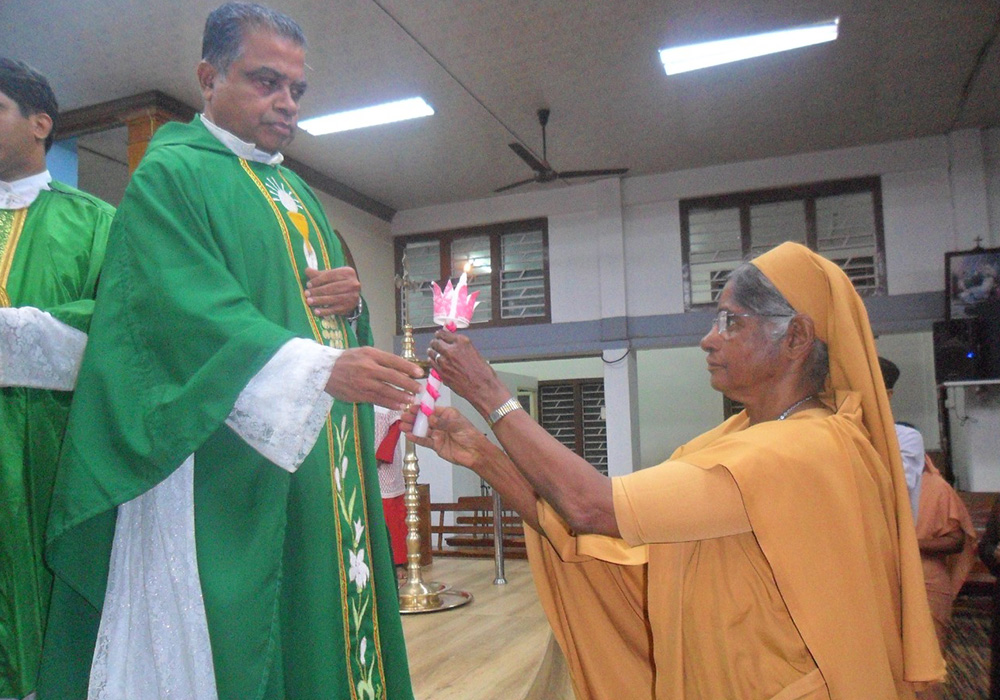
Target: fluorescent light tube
{"type": "Point", "coordinates": [680, 59]}
{"type": "Point", "coordinates": [368, 116]}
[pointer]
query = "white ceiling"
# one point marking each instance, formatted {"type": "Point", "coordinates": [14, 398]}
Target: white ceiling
{"type": "Point", "coordinates": [899, 70]}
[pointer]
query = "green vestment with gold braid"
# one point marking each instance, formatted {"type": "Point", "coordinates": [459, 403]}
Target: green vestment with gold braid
{"type": "Point", "coordinates": [50, 257]}
{"type": "Point", "coordinates": [203, 284]}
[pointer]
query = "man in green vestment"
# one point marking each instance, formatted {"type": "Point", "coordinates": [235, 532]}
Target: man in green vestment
{"type": "Point", "coordinates": [52, 240]}
{"type": "Point", "coordinates": [216, 521]}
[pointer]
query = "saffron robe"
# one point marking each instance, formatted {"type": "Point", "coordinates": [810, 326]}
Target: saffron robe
{"type": "Point", "coordinates": [943, 512]}
{"type": "Point", "coordinates": [828, 542]}
{"type": "Point", "coordinates": [203, 286]}
{"type": "Point", "coordinates": [50, 259]}
{"type": "Point", "coordinates": [753, 615]}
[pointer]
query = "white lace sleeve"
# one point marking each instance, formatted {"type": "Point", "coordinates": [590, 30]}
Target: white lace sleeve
{"type": "Point", "coordinates": [37, 350]}
{"type": "Point", "coordinates": [282, 409]}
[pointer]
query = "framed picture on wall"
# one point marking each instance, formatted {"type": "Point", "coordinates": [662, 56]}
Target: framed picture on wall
{"type": "Point", "coordinates": [972, 278]}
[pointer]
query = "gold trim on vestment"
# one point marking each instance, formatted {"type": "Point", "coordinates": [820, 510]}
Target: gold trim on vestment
{"type": "Point", "coordinates": [368, 543]}
{"type": "Point", "coordinates": [288, 244]}
{"type": "Point", "coordinates": [331, 451]}
{"type": "Point", "coordinates": [9, 245]}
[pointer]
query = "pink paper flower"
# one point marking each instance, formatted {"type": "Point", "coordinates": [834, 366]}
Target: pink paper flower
{"type": "Point", "coordinates": [453, 307]}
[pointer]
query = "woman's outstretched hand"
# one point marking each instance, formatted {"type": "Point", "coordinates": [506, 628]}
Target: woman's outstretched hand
{"type": "Point", "coordinates": [450, 435]}
{"type": "Point", "coordinates": [464, 371]}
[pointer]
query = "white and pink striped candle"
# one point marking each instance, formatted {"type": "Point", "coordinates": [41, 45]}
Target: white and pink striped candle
{"type": "Point", "coordinates": [453, 309]}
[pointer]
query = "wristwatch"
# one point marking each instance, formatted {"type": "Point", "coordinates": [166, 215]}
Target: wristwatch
{"type": "Point", "coordinates": [356, 314]}
{"type": "Point", "coordinates": [508, 406]}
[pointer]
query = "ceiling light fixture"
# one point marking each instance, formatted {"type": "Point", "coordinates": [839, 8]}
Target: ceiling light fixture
{"type": "Point", "coordinates": [681, 59]}
{"type": "Point", "coordinates": [368, 116]}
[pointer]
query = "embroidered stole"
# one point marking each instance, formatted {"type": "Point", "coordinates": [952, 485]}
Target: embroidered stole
{"type": "Point", "coordinates": [11, 225]}
{"type": "Point", "coordinates": [359, 605]}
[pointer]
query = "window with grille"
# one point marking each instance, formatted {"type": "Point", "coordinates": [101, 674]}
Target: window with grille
{"type": "Point", "coordinates": [508, 263]}
{"type": "Point", "coordinates": [573, 413]}
{"type": "Point", "coordinates": [842, 220]}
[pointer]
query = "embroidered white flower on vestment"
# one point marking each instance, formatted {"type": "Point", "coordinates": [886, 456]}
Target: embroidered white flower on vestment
{"type": "Point", "coordinates": [359, 530]}
{"type": "Point", "coordinates": [358, 573]}
{"type": "Point", "coordinates": [364, 647]}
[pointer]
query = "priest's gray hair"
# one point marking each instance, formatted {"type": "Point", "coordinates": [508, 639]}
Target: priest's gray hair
{"type": "Point", "coordinates": [755, 293]}
{"type": "Point", "coordinates": [228, 25]}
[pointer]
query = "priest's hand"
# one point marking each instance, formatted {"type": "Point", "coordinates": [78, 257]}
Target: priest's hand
{"type": "Point", "coordinates": [368, 375]}
{"type": "Point", "coordinates": [333, 292]}
{"type": "Point", "coordinates": [450, 434]}
{"type": "Point", "coordinates": [465, 372]}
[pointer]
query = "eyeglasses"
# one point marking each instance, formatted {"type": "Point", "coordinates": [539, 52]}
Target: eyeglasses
{"type": "Point", "coordinates": [723, 320]}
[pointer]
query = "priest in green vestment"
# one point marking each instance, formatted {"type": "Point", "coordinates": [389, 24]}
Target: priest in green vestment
{"type": "Point", "coordinates": [216, 528]}
{"type": "Point", "coordinates": [52, 240]}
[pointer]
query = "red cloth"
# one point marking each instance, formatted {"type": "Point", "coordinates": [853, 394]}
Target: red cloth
{"type": "Point", "coordinates": [387, 448]}
{"type": "Point", "coordinates": [395, 520]}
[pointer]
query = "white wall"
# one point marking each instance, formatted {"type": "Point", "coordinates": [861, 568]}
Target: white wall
{"type": "Point", "coordinates": [974, 414]}
{"type": "Point", "coordinates": [370, 241]}
{"type": "Point", "coordinates": [676, 402]}
{"type": "Point", "coordinates": [939, 194]}
{"type": "Point", "coordinates": [554, 370]}
{"type": "Point", "coordinates": [915, 395]}
{"type": "Point", "coordinates": [991, 143]}
{"type": "Point", "coordinates": [581, 219]}
{"type": "Point", "coordinates": [917, 208]}
{"type": "Point", "coordinates": [101, 177]}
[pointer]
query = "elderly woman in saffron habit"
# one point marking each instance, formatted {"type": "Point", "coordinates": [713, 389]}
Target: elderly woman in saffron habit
{"type": "Point", "coordinates": [772, 557]}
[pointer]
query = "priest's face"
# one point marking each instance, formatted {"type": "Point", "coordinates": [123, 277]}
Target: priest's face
{"type": "Point", "coordinates": [22, 141]}
{"type": "Point", "coordinates": [258, 97]}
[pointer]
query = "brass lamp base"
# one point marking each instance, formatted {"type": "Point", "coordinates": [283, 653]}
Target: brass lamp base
{"type": "Point", "coordinates": [431, 597]}
{"type": "Point", "coordinates": [416, 596]}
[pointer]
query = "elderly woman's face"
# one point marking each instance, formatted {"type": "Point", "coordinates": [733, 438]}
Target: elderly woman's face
{"type": "Point", "coordinates": [743, 359]}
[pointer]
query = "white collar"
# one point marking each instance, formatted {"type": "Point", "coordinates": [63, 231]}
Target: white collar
{"type": "Point", "coordinates": [240, 147]}
{"type": "Point", "coordinates": [21, 193]}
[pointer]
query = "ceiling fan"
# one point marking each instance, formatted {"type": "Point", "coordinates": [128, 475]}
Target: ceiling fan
{"type": "Point", "coordinates": [543, 171]}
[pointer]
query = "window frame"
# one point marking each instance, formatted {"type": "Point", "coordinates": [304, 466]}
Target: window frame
{"type": "Point", "coordinates": [495, 233]}
{"type": "Point", "coordinates": [580, 432]}
{"type": "Point", "coordinates": [807, 194]}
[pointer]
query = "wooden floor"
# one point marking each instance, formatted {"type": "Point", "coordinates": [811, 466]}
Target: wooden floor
{"type": "Point", "coordinates": [498, 647]}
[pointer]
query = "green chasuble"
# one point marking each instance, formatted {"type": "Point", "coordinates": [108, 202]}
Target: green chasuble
{"type": "Point", "coordinates": [50, 255]}
{"type": "Point", "coordinates": [203, 284]}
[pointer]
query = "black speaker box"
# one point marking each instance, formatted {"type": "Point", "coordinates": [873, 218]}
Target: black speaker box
{"type": "Point", "coordinates": [958, 350]}
{"type": "Point", "coordinates": [989, 338]}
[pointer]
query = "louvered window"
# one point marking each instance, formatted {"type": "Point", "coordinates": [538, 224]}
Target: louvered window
{"type": "Point", "coordinates": [845, 230]}
{"type": "Point", "coordinates": [473, 254]}
{"type": "Point", "coordinates": [842, 220]}
{"type": "Point", "coordinates": [507, 263]}
{"type": "Point", "coordinates": [522, 280]}
{"type": "Point", "coordinates": [714, 250]}
{"type": "Point", "coordinates": [573, 413]}
{"type": "Point", "coordinates": [423, 263]}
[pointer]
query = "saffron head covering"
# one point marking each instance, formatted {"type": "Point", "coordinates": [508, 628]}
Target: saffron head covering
{"type": "Point", "coordinates": [819, 288]}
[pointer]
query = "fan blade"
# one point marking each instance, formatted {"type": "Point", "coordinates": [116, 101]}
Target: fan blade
{"type": "Point", "coordinates": [592, 173]}
{"type": "Point", "coordinates": [516, 184]}
{"type": "Point", "coordinates": [529, 158]}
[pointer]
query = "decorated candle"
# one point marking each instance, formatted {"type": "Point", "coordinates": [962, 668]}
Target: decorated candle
{"type": "Point", "coordinates": [453, 309]}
